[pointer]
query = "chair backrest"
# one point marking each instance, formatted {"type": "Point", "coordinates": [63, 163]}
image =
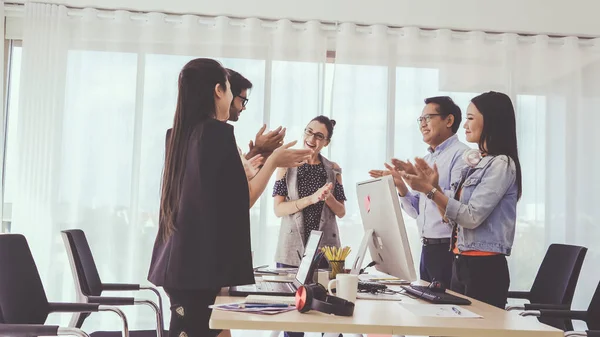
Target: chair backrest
{"type": "Point", "coordinates": [558, 274]}
{"type": "Point", "coordinates": [82, 260]}
{"type": "Point", "coordinates": [557, 278]}
{"type": "Point", "coordinates": [593, 321]}
{"type": "Point", "coordinates": [22, 296]}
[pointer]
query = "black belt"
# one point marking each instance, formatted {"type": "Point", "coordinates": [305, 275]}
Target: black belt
{"type": "Point", "coordinates": [427, 241]}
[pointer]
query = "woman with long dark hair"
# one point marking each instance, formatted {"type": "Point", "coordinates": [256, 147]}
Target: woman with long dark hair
{"type": "Point", "coordinates": [481, 207]}
{"type": "Point", "coordinates": [203, 241]}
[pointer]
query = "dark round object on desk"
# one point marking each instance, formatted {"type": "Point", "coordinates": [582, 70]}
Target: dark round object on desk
{"type": "Point", "coordinates": [437, 287]}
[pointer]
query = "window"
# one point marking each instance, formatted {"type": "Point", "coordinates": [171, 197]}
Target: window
{"type": "Point", "coordinates": [11, 159]}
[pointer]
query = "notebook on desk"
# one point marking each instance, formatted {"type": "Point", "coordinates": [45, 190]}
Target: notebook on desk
{"type": "Point", "coordinates": [303, 275]}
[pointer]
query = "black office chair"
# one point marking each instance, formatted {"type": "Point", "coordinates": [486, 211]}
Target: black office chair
{"type": "Point", "coordinates": [24, 307]}
{"type": "Point", "coordinates": [554, 283]}
{"type": "Point", "coordinates": [588, 333]}
{"type": "Point", "coordinates": [30, 330]}
{"type": "Point", "coordinates": [591, 316]}
{"type": "Point", "coordinates": [89, 287]}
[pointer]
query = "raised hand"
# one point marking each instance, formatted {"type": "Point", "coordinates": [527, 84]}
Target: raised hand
{"type": "Point", "coordinates": [405, 166]}
{"type": "Point", "coordinates": [252, 166]}
{"type": "Point", "coordinates": [285, 157]}
{"type": "Point", "coordinates": [419, 180]}
{"type": "Point", "coordinates": [430, 172]}
{"type": "Point", "coordinates": [379, 173]}
{"type": "Point", "coordinates": [268, 142]}
{"type": "Point", "coordinates": [321, 194]}
{"type": "Point", "coordinates": [395, 174]}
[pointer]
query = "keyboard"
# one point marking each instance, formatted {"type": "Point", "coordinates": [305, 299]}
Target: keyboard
{"type": "Point", "coordinates": [371, 286]}
{"type": "Point", "coordinates": [435, 297]}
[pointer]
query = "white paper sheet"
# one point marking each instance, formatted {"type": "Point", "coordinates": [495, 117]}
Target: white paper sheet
{"type": "Point", "coordinates": [439, 310]}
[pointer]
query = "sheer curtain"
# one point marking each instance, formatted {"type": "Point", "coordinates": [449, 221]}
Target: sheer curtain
{"type": "Point", "coordinates": [98, 92]}
{"type": "Point", "coordinates": [555, 87]}
{"type": "Point", "coordinates": [4, 119]}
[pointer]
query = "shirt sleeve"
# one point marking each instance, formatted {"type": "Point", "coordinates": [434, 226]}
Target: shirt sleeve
{"type": "Point", "coordinates": [280, 188]}
{"type": "Point", "coordinates": [410, 203]}
{"type": "Point", "coordinates": [338, 192]}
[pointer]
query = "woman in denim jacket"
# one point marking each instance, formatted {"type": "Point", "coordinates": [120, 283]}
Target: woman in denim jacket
{"type": "Point", "coordinates": [481, 206]}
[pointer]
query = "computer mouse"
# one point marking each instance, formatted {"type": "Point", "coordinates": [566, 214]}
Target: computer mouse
{"type": "Point", "coordinates": [437, 287]}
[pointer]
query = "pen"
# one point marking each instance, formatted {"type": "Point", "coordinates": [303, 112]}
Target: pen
{"type": "Point", "coordinates": [279, 305]}
{"type": "Point", "coordinates": [455, 309]}
{"type": "Point", "coordinates": [268, 272]}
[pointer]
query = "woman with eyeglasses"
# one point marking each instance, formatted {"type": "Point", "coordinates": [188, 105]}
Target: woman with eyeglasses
{"type": "Point", "coordinates": [482, 204]}
{"type": "Point", "coordinates": [309, 197]}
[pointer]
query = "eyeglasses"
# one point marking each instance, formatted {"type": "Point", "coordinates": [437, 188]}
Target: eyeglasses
{"type": "Point", "coordinates": [318, 136]}
{"type": "Point", "coordinates": [244, 100]}
{"type": "Point", "coordinates": [426, 118]}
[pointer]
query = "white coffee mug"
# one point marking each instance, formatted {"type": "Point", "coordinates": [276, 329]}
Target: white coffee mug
{"type": "Point", "coordinates": [346, 286]}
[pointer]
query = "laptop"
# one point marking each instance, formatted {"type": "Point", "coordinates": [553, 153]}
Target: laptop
{"type": "Point", "coordinates": [303, 275]}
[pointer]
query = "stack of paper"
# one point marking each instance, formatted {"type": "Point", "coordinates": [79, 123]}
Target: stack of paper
{"type": "Point", "coordinates": [261, 309]}
{"type": "Point", "coordinates": [267, 299]}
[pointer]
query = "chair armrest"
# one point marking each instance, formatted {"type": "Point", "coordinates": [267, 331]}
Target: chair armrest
{"type": "Point", "coordinates": [28, 330]}
{"type": "Point", "coordinates": [575, 333]}
{"type": "Point", "coordinates": [73, 307]}
{"type": "Point", "coordinates": [538, 306]}
{"type": "Point", "coordinates": [519, 294]}
{"type": "Point", "coordinates": [120, 287]}
{"type": "Point", "coordinates": [566, 314]}
{"type": "Point", "coordinates": [106, 300]}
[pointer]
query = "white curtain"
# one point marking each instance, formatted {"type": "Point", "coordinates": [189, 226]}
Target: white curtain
{"type": "Point", "coordinates": [555, 86]}
{"type": "Point", "coordinates": [98, 89]}
{"type": "Point", "coordinates": [4, 119]}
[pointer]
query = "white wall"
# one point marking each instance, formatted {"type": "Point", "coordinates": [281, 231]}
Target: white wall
{"type": "Point", "coordinates": [560, 17]}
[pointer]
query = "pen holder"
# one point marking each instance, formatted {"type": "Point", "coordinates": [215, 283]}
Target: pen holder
{"type": "Point", "coordinates": [337, 267]}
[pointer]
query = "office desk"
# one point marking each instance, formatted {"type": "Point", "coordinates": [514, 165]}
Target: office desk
{"type": "Point", "coordinates": [387, 317]}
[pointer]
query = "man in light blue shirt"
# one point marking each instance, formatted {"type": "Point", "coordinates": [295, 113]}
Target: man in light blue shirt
{"type": "Point", "coordinates": [438, 123]}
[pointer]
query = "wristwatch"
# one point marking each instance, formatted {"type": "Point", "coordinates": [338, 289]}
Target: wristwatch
{"type": "Point", "coordinates": [431, 193]}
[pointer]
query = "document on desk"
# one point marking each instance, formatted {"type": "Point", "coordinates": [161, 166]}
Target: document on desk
{"type": "Point", "coordinates": [439, 310]}
{"type": "Point", "coordinates": [261, 309]}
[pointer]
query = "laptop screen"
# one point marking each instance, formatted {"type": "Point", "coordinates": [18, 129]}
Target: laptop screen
{"type": "Point", "coordinates": [310, 251]}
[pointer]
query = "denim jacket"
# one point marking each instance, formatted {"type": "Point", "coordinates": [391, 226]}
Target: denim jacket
{"type": "Point", "coordinates": [486, 214]}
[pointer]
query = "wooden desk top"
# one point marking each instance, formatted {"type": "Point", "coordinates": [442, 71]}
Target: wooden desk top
{"type": "Point", "coordinates": [387, 317]}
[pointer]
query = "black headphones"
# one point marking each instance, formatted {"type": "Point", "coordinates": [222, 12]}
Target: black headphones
{"type": "Point", "coordinates": [315, 297]}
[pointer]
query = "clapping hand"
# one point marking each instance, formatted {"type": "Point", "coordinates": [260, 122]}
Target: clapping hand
{"type": "Point", "coordinates": [420, 176]}
{"type": "Point", "coordinates": [321, 194]}
{"type": "Point", "coordinates": [405, 166]}
{"type": "Point", "coordinates": [388, 171]}
{"type": "Point", "coordinates": [267, 143]}
{"type": "Point", "coordinates": [285, 157]}
{"type": "Point", "coordinates": [252, 166]}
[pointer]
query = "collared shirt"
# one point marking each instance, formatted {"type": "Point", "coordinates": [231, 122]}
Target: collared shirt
{"type": "Point", "coordinates": [448, 157]}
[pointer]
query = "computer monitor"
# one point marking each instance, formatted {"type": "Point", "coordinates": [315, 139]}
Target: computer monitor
{"type": "Point", "coordinates": [380, 211]}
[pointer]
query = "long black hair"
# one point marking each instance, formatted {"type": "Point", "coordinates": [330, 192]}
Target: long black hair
{"type": "Point", "coordinates": [499, 134]}
{"type": "Point", "coordinates": [195, 105]}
